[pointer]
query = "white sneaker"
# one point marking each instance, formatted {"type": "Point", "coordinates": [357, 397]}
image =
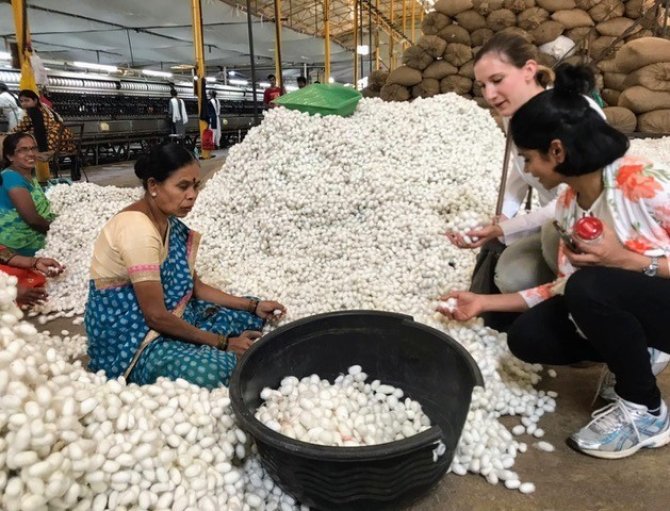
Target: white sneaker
{"type": "Point", "coordinates": [659, 361]}
{"type": "Point", "coordinates": [622, 428]}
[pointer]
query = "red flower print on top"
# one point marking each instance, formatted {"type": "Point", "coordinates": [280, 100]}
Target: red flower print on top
{"type": "Point", "coordinates": [566, 198]}
{"type": "Point", "coordinates": [634, 184]}
{"type": "Point", "coordinates": [639, 245]}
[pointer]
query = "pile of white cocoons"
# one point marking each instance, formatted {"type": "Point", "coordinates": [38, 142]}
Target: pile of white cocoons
{"type": "Point", "coordinates": [467, 221]}
{"type": "Point", "coordinates": [348, 412]}
{"type": "Point", "coordinates": [322, 214]}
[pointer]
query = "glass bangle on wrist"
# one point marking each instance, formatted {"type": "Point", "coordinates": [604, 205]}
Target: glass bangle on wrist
{"type": "Point", "coordinates": [222, 343]}
{"type": "Point", "coordinates": [652, 269]}
{"type": "Point", "coordinates": [253, 305]}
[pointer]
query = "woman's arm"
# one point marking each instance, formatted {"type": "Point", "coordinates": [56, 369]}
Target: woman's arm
{"type": "Point", "coordinates": [23, 202]}
{"type": "Point", "coordinates": [470, 305]}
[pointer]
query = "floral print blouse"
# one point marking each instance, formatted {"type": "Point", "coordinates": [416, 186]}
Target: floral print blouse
{"type": "Point", "coordinates": [635, 203]}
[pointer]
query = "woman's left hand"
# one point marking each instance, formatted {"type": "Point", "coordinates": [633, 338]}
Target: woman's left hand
{"type": "Point", "coordinates": [266, 310]}
{"type": "Point", "coordinates": [608, 251]}
{"type": "Point", "coordinates": [50, 267]}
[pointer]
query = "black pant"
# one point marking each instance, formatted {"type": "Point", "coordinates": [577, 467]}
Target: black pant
{"type": "Point", "coordinates": [620, 312]}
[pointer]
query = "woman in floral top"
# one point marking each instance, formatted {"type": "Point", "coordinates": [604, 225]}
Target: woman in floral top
{"type": "Point", "coordinates": [615, 308]}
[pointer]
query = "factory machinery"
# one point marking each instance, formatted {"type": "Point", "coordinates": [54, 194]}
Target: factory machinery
{"type": "Point", "coordinates": [113, 118]}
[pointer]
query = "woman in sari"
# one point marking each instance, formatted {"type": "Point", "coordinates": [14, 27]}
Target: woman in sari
{"type": "Point", "coordinates": [25, 215]}
{"type": "Point", "coordinates": [45, 124]}
{"type": "Point", "coordinates": [148, 313]}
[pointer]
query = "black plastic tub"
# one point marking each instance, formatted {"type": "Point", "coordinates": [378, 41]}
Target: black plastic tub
{"type": "Point", "coordinates": [428, 365]}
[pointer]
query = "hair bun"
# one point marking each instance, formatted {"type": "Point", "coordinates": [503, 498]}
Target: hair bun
{"type": "Point", "coordinates": [142, 166]}
{"type": "Point", "coordinates": [574, 80]}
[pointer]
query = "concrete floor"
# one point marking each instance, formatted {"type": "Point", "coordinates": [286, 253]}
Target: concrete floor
{"type": "Point", "coordinates": [565, 480]}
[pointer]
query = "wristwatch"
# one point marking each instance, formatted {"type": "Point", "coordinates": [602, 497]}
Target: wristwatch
{"type": "Point", "coordinates": [652, 269]}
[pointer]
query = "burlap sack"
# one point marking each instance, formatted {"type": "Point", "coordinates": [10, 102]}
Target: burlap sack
{"type": "Point", "coordinates": [405, 76]}
{"type": "Point", "coordinates": [620, 118]}
{"type": "Point", "coordinates": [452, 7]}
{"type": "Point", "coordinates": [633, 8]}
{"type": "Point", "coordinates": [520, 32]}
{"type": "Point", "coordinates": [606, 9]}
{"type": "Point", "coordinates": [654, 122]}
{"type": "Point", "coordinates": [486, 7]}
{"type": "Point", "coordinates": [616, 26]}
{"type": "Point", "coordinates": [455, 34]}
{"type": "Point", "coordinates": [642, 52]}
{"type": "Point", "coordinates": [468, 70]}
{"type": "Point", "coordinates": [544, 59]}
{"type": "Point", "coordinates": [642, 100]}
{"type": "Point", "coordinates": [417, 58]}
{"type": "Point", "coordinates": [471, 20]}
{"type": "Point", "coordinates": [556, 5]}
{"type": "Point", "coordinates": [644, 32]}
{"type": "Point", "coordinates": [457, 54]}
{"type": "Point", "coordinates": [602, 48]}
{"type": "Point", "coordinates": [608, 66]}
{"type": "Point", "coordinates": [433, 45]}
{"type": "Point", "coordinates": [481, 36]}
{"type": "Point", "coordinates": [610, 96]}
{"type": "Point", "coordinates": [581, 34]}
{"type": "Point", "coordinates": [653, 77]}
{"type": "Point", "coordinates": [394, 92]}
{"type": "Point", "coordinates": [501, 19]}
{"type": "Point", "coordinates": [516, 6]}
{"type": "Point", "coordinates": [428, 88]}
{"type": "Point", "coordinates": [433, 22]}
{"type": "Point", "coordinates": [439, 69]}
{"type": "Point", "coordinates": [532, 18]}
{"type": "Point", "coordinates": [455, 83]}
{"type": "Point", "coordinates": [546, 32]}
{"type": "Point", "coordinates": [615, 80]}
{"type": "Point", "coordinates": [370, 92]}
{"type": "Point", "coordinates": [573, 18]}
{"type": "Point", "coordinates": [586, 4]}
{"type": "Point", "coordinates": [378, 78]}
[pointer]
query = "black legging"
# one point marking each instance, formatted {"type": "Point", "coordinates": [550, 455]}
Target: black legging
{"type": "Point", "coordinates": [621, 313]}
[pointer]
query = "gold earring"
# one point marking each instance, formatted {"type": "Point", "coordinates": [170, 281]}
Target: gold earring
{"type": "Point", "coordinates": [153, 194]}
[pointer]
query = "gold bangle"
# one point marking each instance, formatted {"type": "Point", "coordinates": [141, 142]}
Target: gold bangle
{"type": "Point", "coordinates": [222, 343]}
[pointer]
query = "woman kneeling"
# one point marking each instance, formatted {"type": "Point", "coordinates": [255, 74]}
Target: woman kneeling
{"type": "Point", "coordinates": [148, 313]}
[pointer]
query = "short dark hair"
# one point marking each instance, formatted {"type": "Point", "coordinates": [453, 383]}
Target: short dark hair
{"type": "Point", "coordinates": [27, 93]}
{"type": "Point", "coordinates": [161, 162]}
{"type": "Point", "coordinates": [3, 87]}
{"type": "Point", "coordinates": [563, 113]}
{"type": "Point", "coordinates": [173, 93]}
{"type": "Point", "coordinates": [9, 145]}
{"type": "Point", "coordinates": [272, 77]}
{"type": "Point", "coordinates": [302, 79]}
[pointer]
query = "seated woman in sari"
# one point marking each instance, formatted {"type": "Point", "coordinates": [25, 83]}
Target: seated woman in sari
{"type": "Point", "coordinates": [31, 273]}
{"type": "Point", "coordinates": [25, 215]}
{"type": "Point", "coordinates": [148, 313]}
{"type": "Point", "coordinates": [45, 124]}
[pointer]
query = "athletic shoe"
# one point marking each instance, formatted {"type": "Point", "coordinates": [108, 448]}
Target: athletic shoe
{"type": "Point", "coordinates": [659, 361]}
{"type": "Point", "coordinates": [622, 428]}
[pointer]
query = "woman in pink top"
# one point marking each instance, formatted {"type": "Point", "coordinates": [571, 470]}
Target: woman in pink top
{"type": "Point", "coordinates": [610, 300]}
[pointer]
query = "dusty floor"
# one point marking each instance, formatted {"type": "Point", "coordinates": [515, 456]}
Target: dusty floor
{"type": "Point", "coordinates": [564, 480]}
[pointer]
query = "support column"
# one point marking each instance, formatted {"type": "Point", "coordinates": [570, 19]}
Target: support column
{"type": "Point", "coordinates": [278, 25]}
{"type": "Point", "coordinates": [326, 39]}
{"type": "Point", "coordinates": [356, 56]}
{"type": "Point", "coordinates": [198, 43]}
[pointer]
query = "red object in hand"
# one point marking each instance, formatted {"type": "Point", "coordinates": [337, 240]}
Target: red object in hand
{"type": "Point", "coordinates": [588, 228]}
{"type": "Point", "coordinates": [26, 278]}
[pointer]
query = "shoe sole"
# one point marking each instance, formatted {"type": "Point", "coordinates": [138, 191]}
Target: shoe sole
{"type": "Point", "coordinates": [653, 442]}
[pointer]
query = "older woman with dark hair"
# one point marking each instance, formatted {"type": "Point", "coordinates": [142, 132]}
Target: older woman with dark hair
{"type": "Point", "coordinates": [148, 313]}
{"type": "Point", "coordinates": [25, 214]}
{"type": "Point", "coordinates": [614, 309]}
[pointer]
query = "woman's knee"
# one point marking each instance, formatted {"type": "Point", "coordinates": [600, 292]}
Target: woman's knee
{"type": "Point", "coordinates": [521, 339]}
{"type": "Point", "coordinates": [586, 287]}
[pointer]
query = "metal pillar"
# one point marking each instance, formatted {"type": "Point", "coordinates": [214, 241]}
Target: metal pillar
{"type": "Point", "coordinates": [278, 25]}
{"type": "Point", "coordinates": [326, 38]}
{"type": "Point", "coordinates": [356, 55]}
{"type": "Point", "coordinates": [252, 59]}
{"type": "Point", "coordinates": [198, 43]}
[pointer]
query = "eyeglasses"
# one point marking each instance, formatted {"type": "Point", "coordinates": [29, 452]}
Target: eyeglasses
{"type": "Point", "coordinates": [26, 150]}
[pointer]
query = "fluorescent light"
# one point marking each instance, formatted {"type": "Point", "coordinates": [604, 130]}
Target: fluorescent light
{"type": "Point", "coordinates": [363, 49]}
{"type": "Point", "coordinates": [97, 67]}
{"type": "Point", "coordinates": [151, 72]}
{"type": "Point", "coordinates": [265, 85]}
{"type": "Point", "coordinates": [210, 78]}
{"type": "Point", "coordinates": [291, 87]}
{"type": "Point", "coordinates": [331, 80]}
{"type": "Point", "coordinates": [235, 81]}
{"type": "Point", "coordinates": [5, 56]}
{"type": "Point", "coordinates": [232, 73]}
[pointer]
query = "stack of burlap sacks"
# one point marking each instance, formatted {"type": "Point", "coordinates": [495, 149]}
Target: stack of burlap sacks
{"type": "Point", "coordinates": [442, 59]}
{"type": "Point", "coordinates": [637, 81]}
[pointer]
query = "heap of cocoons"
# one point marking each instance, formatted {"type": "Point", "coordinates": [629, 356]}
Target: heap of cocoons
{"type": "Point", "coordinates": [321, 213]}
{"type": "Point", "coordinates": [348, 412]}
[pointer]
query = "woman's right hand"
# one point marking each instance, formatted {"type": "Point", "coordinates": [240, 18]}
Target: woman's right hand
{"type": "Point", "coordinates": [482, 234]}
{"type": "Point", "coordinates": [239, 345]}
{"type": "Point", "coordinates": [29, 296]}
{"type": "Point", "coordinates": [468, 305]}
{"type": "Point", "coordinates": [50, 267]}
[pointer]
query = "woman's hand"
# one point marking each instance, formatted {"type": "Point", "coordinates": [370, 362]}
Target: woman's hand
{"type": "Point", "coordinates": [29, 296]}
{"type": "Point", "coordinates": [482, 234]}
{"type": "Point", "coordinates": [266, 310]}
{"type": "Point", "coordinates": [608, 251]}
{"type": "Point", "coordinates": [239, 345]}
{"type": "Point", "coordinates": [468, 305]}
{"type": "Point", "coordinates": [50, 267]}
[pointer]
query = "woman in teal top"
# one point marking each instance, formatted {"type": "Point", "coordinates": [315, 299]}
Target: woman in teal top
{"type": "Point", "coordinates": [25, 214]}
